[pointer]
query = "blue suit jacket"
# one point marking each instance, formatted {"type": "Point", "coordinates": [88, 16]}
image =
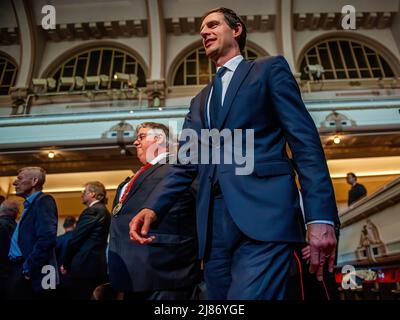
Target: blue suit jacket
{"type": "Point", "coordinates": [38, 237]}
{"type": "Point", "coordinates": [264, 96]}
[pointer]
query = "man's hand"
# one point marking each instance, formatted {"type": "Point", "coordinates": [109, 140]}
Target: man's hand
{"type": "Point", "coordinates": [63, 271]}
{"type": "Point", "coordinates": [322, 241]}
{"type": "Point", "coordinates": [140, 225]}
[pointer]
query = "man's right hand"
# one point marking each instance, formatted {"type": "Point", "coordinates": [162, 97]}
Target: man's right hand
{"type": "Point", "coordinates": [140, 225]}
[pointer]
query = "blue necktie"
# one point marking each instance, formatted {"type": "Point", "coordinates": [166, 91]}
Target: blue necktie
{"type": "Point", "coordinates": [216, 98]}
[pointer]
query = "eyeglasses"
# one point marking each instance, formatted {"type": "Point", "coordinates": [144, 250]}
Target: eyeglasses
{"type": "Point", "coordinates": [141, 136]}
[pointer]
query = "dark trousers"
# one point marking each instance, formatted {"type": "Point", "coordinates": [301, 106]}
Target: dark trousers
{"type": "Point", "coordinates": [237, 267]}
{"type": "Point", "coordinates": [19, 288]}
{"type": "Point", "coordinates": [82, 288]}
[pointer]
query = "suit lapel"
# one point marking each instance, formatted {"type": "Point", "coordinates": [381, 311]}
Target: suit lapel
{"type": "Point", "coordinates": [117, 193]}
{"type": "Point", "coordinates": [30, 207]}
{"type": "Point", "coordinates": [139, 180]}
{"type": "Point", "coordinates": [237, 79]}
{"type": "Point", "coordinates": [203, 104]}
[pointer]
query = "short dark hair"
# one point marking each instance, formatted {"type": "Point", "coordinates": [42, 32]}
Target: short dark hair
{"type": "Point", "coordinates": [232, 19]}
{"type": "Point", "coordinates": [69, 222]}
{"type": "Point", "coordinates": [352, 174]}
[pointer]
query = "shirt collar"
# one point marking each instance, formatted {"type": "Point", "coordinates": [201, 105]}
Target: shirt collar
{"type": "Point", "coordinates": [233, 63]}
{"type": "Point", "coordinates": [32, 197]}
{"type": "Point", "coordinates": [93, 203]}
{"type": "Point", "coordinates": [157, 159]}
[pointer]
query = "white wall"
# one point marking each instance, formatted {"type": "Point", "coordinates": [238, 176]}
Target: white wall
{"type": "Point", "coordinates": [196, 8]}
{"type": "Point", "coordinates": [303, 6]}
{"type": "Point", "coordinates": [7, 16]}
{"type": "Point", "coordinates": [76, 11]}
{"type": "Point", "coordinates": [12, 50]}
{"type": "Point", "coordinates": [265, 40]}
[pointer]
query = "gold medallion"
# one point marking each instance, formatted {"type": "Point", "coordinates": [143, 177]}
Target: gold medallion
{"type": "Point", "coordinates": [117, 208]}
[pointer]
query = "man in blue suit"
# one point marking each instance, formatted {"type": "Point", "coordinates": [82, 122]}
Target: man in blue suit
{"type": "Point", "coordinates": [248, 224]}
{"type": "Point", "coordinates": [34, 239]}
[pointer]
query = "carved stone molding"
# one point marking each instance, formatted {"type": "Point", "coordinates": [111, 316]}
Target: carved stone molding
{"type": "Point", "coordinates": [156, 93]}
{"type": "Point", "coordinates": [19, 98]}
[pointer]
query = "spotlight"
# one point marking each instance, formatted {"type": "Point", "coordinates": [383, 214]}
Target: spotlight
{"type": "Point", "coordinates": [104, 80]}
{"type": "Point", "coordinates": [314, 70]}
{"type": "Point", "coordinates": [51, 83]}
{"type": "Point", "coordinates": [67, 81]}
{"type": "Point", "coordinates": [41, 85]}
{"type": "Point", "coordinates": [79, 82]}
{"type": "Point", "coordinates": [131, 79]}
{"type": "Point", "coordinates": [124, 77]}
{"type": "Point", "coordinates": [51, 154]}
{"type": "Point", "coordinates": [93, 81]}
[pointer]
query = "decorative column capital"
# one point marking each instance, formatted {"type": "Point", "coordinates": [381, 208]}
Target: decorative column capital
{"type": "Point", "coordinates": [19, 97]}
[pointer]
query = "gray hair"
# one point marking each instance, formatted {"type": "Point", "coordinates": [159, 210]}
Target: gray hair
{"type": "Point", "coordinates": [36, 172]}
{"type": "Point", "coordinates": [9, 208]}
{"type": "Point", "coordinates": [98, 189]}
{"type": "Point", "coordinates": [157, 128]}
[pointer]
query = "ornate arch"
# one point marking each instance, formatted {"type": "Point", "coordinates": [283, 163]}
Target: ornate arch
{"type": "Point", "coordinates": [370, 43]}
{"type": "Point", "coordinates": [64, 57]}
{"type": "Point", "coordinates": [8, 73]}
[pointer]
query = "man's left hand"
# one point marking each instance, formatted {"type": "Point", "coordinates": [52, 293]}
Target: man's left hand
{"type": "Point", "coordinates": [322, 240]}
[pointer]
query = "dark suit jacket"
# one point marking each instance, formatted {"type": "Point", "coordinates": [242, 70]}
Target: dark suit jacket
{"type": "Point", "coordinates": [167, 263]}
{"type": "Point", "coordinates": [262, 95]}
{"type": "Point", "coordinates": [7, 227]}
{"type": "Point", "coordinates": [37, 237]}
{"type": "Point", "coordinates": [61, 247]}
{"type": "Point", "coordinates": [86, 251]}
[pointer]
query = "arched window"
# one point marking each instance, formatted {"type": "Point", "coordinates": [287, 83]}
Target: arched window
{"type": "Point", "coordinates": [8, 74]}
{"type": "Point", "coordinates": [345, 59]}
{"type": "Point", "coordinates": [196, 69]}
{"type": "Point", "coordinates": [97, 62]}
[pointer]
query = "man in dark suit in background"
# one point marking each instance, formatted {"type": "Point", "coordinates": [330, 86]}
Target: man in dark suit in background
{"type": "Point", "coordinates": [34, 239]}
{"type": "Point", "coordinates": [8, 214]}
{"type": "Point", "coordinates": [248, 222]}
{"type": "Point", "coordinates": [69, 225]}
{"type": "Point", "coordinates": [168, 268]}
{"type": "Point", "coordinates": [85, 258]}
{"type": "Point", "coordinates": [357, 191]}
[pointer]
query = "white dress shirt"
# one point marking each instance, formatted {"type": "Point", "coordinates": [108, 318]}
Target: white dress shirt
{"type": "Point", "coordinates": [226, 78]}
